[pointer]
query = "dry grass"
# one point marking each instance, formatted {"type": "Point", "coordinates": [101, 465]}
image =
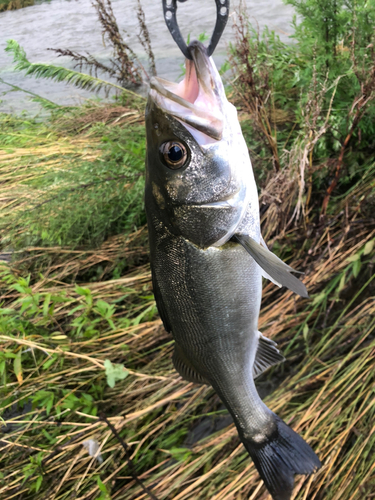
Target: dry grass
{"type": "Point", "coordinates": [97, 113]}
{"type": "Point", "coordinates": [327, 396]}
{"type": "Point", "coordinates": [324, 390]}
{"type": "Point", "coordinates": [31, 163]}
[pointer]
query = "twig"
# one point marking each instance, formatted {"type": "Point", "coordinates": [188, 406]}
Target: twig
{"type": "Point", "coordinates": [361, 104]}
{"type": "Point", "coordinates": [144, 38]}
{"type": "Point", "coordinates": [129, 460]}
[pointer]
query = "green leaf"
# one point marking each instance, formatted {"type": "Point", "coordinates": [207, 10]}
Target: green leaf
{"type": "Point", "coordinates": [342, 283]}
{"type": "Point", "coordinates": [319, 298]}
{"type": "Point", "coordinates": [9, 354]}
{"type": "Point", "coordinates": [38, 483]}
{"type": "Point", "coordinates": [353, 258]}
{"type": "Point", "coordinates": [114, 372]}
{"type": "Point", "coordinates": [6, 311]}
{"type": "Point", "coordinates": [104, 309]}
{"type": "Point", "coordinates": [57, 73]}
{"type": "Point", "coordinates": [102, 486]}
{"type": "Point", "coordinates": [26, 303]}
{"type": "Point", "coordinates": [75, 309]}
{"type": "Point", "coordinates": [46, 303]}
{"type": "Point", "coordinates": [17, 365]}
{"type": "Point", "coordinates": [49, 405]}
{"type": "Point", "coordinates": [82, 291]}
{"type": "Point", "coordinates": [105, 493]}
{"type": "Point", "coordinates": [356, 268]}
{"type": "Point", "coordinates": [49, 362]}
{"type": "Point", "coordinates": [180, 454]}
{"type": "Point", "coordinates": [202, 37]}
{"type": "Point", "coordinates": [369, 247]}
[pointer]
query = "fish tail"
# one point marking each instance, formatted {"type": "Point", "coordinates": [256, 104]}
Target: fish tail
{"type": "Point", "coordinates": [281, 456]}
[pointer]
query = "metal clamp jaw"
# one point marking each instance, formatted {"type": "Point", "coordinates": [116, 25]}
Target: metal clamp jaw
{"type": "Point", "coordinates": [170, 16]}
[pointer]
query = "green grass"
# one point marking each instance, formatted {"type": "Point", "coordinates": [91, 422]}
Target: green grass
{"type": "Point", "coordinates": [80, 336]}
{"type": "Point", "coordinates": [14, 4]}
{"type": "Point", "coordinates": [101, 178]}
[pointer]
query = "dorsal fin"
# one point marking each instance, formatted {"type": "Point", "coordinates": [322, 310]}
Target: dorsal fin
{"type": "Point", "coordinates": [267, 355]}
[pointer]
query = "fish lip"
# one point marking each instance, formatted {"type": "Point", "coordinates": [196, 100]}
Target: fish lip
{"type": "Point", "coordinates": [159, 86]}
{"type": "Point", "coordinates": [203, 108]}
{"type": "Point", "coordinates": [208, 122]}
{"type": "Point", "coordinates": [227, 202]}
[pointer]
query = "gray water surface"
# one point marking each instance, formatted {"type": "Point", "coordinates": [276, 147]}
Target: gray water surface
{"type": "Point", "coordinates": [73, 24]}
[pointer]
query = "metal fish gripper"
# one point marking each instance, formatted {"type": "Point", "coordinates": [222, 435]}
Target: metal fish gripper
{"type": "Point", "coordinates": [170, 16]}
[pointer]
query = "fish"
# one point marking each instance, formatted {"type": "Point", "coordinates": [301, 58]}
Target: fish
{"type": "Point", "coordinates": [208, 258]}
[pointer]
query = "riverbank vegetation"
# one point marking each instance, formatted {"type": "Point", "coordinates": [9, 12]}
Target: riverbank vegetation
{"type": "Point", "coordinates": [14, 4]}
{"type": "Point", "coordinates": [123, 70]}
{"type": "Point", "coordinates": [82, 347]}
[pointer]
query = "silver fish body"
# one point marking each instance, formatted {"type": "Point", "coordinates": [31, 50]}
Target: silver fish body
{"type": "Point", "coordinates": [203, 220]}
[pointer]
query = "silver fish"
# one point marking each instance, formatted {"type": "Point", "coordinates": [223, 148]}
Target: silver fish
{"type": "Point", "coordinates": [207, 259]}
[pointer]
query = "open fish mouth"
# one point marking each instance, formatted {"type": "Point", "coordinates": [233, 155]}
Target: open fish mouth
{"type": "Point", "coordinates": [197, 99]}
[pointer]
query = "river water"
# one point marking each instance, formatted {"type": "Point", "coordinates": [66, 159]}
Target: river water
{"type": "Point", "coordinates": [73, 24]}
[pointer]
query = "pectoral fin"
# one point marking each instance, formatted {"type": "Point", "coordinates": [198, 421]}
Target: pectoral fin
{"type": "Point", "coordinates": [272, 265]}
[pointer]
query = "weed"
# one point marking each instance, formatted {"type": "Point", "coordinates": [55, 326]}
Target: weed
{"type": "Point", "coordinates": [14, 4]}
{"type": "Point", "coordinates": [310, 103]}
{"type": "Point", "coordinates": [85, 364]}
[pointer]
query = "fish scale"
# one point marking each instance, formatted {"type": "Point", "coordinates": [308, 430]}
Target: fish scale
{"type": "Point", "coordinates": [214, 323]}
{"type": "Point", "coordinates": [207, 261]}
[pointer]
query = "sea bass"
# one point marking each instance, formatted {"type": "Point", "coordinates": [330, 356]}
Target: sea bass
{"type": "Point", "coordinates": [208, 258]}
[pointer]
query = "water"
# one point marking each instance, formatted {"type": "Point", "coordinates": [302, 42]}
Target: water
{"type": "Point", "coordinates": [73, 24]}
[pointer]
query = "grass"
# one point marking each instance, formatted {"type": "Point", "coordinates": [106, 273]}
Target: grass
{"type": "Point", "coordinates": [80, 335]}
{"type": "Point", "coordinates": [81, 343]}
{"type": "Point", "coordinates": [100, 178]}
{"type": "Point", "coordinates": [14, 4]}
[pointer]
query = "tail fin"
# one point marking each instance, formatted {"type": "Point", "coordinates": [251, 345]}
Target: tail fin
{"type": "Point", "coordinates": [284, 454]}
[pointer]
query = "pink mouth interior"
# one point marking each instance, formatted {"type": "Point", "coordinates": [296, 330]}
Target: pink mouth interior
{"type": "Point", "coordinates": [193, 102]}
{"type": "Point", "coordinates": [188, 88]}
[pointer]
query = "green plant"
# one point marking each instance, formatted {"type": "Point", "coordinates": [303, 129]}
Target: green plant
{"type": "Point", "coordinates": [14, 4]}
{"type": "Point", "coordinates": [58, 73]}
{"type": "Point", "coordinates": [103, 195]}
{"type": "Point", "coordinates": [310, 103]}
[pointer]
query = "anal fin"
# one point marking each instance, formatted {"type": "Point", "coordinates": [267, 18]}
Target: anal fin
{"type": "Point", "coordinates": [267, 355]}
{"type": "Point", "coordinates": [184, 368]}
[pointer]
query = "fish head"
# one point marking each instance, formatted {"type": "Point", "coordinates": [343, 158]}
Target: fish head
{"type": "Point", "coordinates": [199, 176]}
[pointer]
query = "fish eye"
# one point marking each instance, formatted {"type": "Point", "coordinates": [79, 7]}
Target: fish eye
{"type": "Point", "coordinates": [174, 154]}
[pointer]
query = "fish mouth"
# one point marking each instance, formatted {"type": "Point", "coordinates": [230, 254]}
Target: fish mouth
{"type": "Point", "coordinates": [228, 202]}
{"type": "Point", "coordinates": [197, 99]}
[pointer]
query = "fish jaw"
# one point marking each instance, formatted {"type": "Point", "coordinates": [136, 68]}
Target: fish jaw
{"type": "Point", "coordinates": [206, 200]}
{"type": "Point", "coordinates": [198, 100]}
